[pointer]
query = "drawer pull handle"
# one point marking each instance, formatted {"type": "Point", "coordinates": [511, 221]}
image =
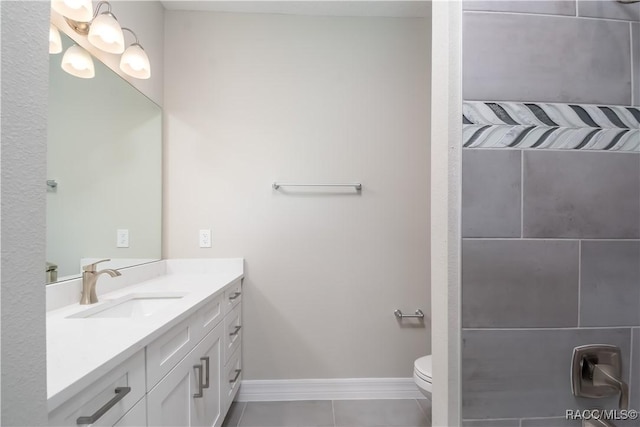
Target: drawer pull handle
{"type": "Point", "coordinates": [121, 392]}
{"type": "Point", "coordinates": [235, 295]}
{"type": "Point", "coordinates": [200, 385]}
{"type": "Point", "coordinates": [206, 364]}
{"type": "Point", "coordinates": [235, 332]}
{"type": "Point", "coordinates": [236, 377]}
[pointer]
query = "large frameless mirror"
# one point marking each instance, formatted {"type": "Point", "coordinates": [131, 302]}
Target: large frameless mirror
{"type": "Point", "coordinates": [104, 172]}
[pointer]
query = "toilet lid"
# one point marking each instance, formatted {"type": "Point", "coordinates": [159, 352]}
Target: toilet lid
{"type": "Point", "coordinates": [422, 366]}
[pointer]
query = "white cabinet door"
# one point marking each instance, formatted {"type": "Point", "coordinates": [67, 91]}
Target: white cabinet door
{"type": "Point", "coordinates": [169, 403]}
{"type": "Point", "coordinates": [175, 401]}
{"type": "Point", "coordinates": [210, 352]}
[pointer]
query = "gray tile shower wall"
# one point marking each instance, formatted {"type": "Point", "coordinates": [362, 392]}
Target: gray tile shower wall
{"type": "Point", "coordinates": [519, 283]}
{"type": "Point", "coordinates": [491, 199]}
{"type": "Point", "coordinates": [550, 203]}
{"type": "Point", "coordinates": [530, 57]}
{"type": "Point", "coordinates": [560, 7]}
{"type": "Point", "coordinates": [609, 10]}
{"type": "Point", "coordinates": [523, 373]}
{"type": "Point", "coordinates": [514, 422]}
{"type": "Point", "coordinates": [610, 283]}
{"type": "Point", "coordinates": [581, 195]}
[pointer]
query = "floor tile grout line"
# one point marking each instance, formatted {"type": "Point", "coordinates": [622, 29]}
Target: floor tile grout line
{"type": "Point", "coordinates": [361, 422]}
{"type": "Point", "coordinates": [421, 409]}
{"type": "Point", "coordinates": [244, 408]}
{"type": "Point", "coordinates": [333, 411]}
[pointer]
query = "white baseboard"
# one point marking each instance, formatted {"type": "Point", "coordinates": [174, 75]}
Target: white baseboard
{"type": "Point", "coordinates": [328, 389]}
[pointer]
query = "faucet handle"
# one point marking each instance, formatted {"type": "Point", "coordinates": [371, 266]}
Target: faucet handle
{"type": "Point", "coordinates": [607, 375]}
{"type": "Point", "coordinates": [596, 371]}
{"type": "Point", "coordinates": [91, 268]}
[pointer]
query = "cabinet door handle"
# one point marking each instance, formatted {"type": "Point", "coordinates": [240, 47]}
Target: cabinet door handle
{"type": "Point", "coordinates": [121, 392]}
{"type": "Point", "coordinates": [206, 364]}
{"type": "Point", "coordinates": [235, 332]}
{"type": "Point", "coordinates": [200, 385]}
{"type": "Point", "coordinates": [236, 377]}
{"type": "Point", "coordinates": [235, 295]}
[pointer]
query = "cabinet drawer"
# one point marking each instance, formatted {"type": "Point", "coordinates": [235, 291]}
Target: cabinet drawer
{"type": "Point", "coordinates": [232, 331]}
{"type": "Point", "coordinates": [165, 352]}
{"type": "Point", "coordinates": [101, 395]}
{"type": "Point", "coordinates": [209, 316]}
{"type": "Point", "coordinates": [231, 378]}
{"type": "Point", "coordinates": [233, 296]}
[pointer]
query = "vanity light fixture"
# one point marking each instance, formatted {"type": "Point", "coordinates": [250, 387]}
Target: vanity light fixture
{"type": "Point", "coordinates": [105, 32]}
{"type": "Point", "coordinates": [77, 62]}
{"type": "Point", "coordinates": [78, 10]}
{"type": "Point", "coordinates": [55, 43]}
{"type": "Point", "coordinates": [134, 61]}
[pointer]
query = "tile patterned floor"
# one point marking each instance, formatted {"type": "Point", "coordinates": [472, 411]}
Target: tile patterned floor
{"type": "Point", "coordinates": [328, 413]}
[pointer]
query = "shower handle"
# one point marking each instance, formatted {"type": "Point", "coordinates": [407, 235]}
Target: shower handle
{"type": "Point", "coordinates": [596, 372]}
{"type": "Point", "coordinates": [605, 375]}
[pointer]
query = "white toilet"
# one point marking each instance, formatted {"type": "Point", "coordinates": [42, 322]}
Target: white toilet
{"type": "Point", "coordinates": [422, 375]}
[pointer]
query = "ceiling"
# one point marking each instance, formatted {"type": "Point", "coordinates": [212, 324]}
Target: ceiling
{"type": "Point", "coordinates": [397, 8]}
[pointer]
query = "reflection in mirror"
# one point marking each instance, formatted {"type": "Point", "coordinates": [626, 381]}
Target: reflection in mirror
{"type": "Point", "coordinates": [103, 172]}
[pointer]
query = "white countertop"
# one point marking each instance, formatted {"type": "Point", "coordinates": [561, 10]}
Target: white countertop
{"type": "Point", "coordinates": [81, 350]}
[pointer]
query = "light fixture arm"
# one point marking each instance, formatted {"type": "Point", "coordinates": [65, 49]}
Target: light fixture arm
{"type": "Point", "coordinates": [82, 28]}
{"type": "Point", "coordinates": [134, 34]}
{"type": "Point", "coordinates": [95, 13]}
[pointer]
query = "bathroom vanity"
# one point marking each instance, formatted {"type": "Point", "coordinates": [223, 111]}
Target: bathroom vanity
{"type": "Point", "coordinates": [165, 351]}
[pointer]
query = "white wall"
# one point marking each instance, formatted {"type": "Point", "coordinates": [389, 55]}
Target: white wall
{"type": "Point", "coordinates": [25, 78]}
{"type": "Point", "coordinates": [250, 99]}
{"type": "Point", "coordinates": [106, 158]}
{"type": "Point", "coordinates": [146, 19]}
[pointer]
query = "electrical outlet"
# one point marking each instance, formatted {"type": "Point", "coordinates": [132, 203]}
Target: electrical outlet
{"type": "Point", "coordinates": [205, 238]}
{"type": "Point", "coordinates": [122, 239]}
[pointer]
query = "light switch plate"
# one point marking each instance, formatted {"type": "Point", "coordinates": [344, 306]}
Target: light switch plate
{"type": "Point", "coordinates": [122, 239]}
{"type": "Point", "coordinates": [205, 238]}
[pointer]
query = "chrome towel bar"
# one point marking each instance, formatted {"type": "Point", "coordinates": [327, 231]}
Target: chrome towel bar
{"type": "Point", "coordinates": [419, 314]}
{"type": "Point", "coordinates": [356, 185]}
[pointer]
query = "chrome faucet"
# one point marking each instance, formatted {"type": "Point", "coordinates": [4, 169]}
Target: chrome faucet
{"type": "Point", "coordinates": [89, 280]}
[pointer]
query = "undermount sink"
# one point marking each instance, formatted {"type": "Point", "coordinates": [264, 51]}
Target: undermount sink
{"type": "Point", "coordinates": [131, 306]}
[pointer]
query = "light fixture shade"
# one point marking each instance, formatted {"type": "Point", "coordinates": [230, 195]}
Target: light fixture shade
{"type": "Point", "coordinates": [106, 34]}
{"type": "Point", "coordinates": [55, 43]}
{"type": "Point", "coordinates": [77, 62]}
{"type": "Point", "coordinates": [135, 62]}
{"type": "Point", "coordinates": [78, 10]}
